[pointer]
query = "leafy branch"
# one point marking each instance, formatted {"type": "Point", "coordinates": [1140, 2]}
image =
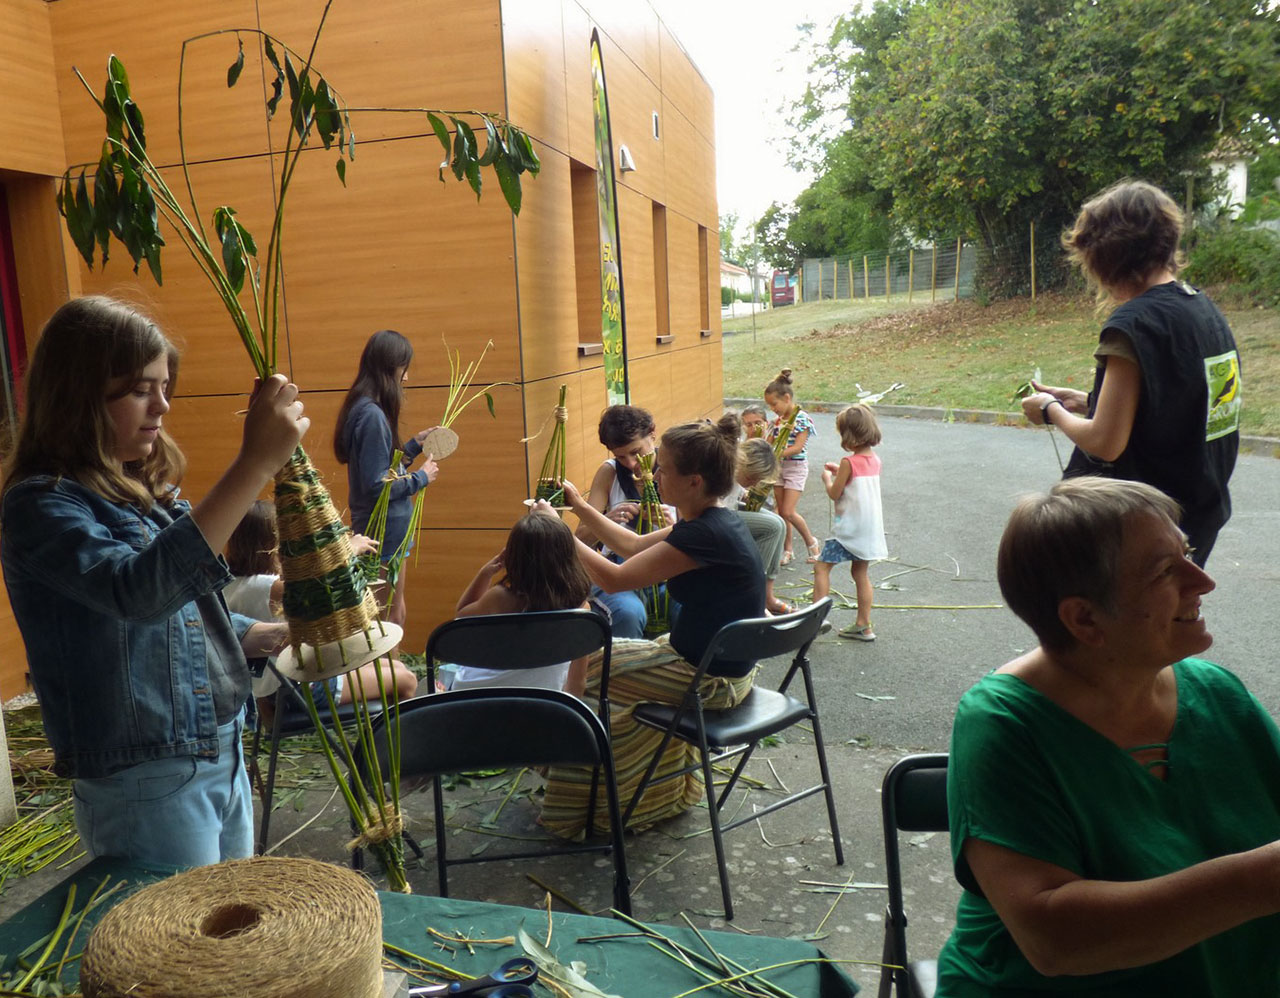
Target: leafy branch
{"type": "Point", "coordinates": [125, 196]}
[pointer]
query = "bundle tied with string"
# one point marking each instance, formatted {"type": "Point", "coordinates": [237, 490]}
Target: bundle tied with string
{"type": "Point", "coordinates": [331, 609]}
{"type": "Point", "coordinates": [551, 477]}
{"type": "Point", "coordinates": [268, 927]}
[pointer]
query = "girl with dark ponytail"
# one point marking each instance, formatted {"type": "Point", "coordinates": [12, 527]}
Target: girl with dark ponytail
{"type": "Point", "coordinates": [713, 573]}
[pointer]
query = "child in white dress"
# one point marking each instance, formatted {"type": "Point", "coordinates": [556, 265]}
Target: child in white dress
{"type": "Point", "coordinates": [854, 486]}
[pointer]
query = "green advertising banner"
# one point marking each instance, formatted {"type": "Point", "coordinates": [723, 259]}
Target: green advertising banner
{"type": "Point", "coordinates": [612, 313]}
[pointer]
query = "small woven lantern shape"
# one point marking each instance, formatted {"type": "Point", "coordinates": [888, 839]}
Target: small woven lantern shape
{"type": "Point", "coordinates": [332, 612]}
{"type": "Point", "coordinates": [551, 478]}
{"type": "Point", "coordinates": [267, 927]}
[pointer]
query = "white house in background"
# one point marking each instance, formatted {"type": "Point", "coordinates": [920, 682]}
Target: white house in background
{"type": "Point", "coordinates": [739, 279]}
{"type": "Point", "coordinates": [1229, 163]}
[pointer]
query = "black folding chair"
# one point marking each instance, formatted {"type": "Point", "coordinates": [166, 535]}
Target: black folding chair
{"type": "Point", "coordinates": [736, 731]}
{"type": "Point", "coordinates": [913, 799]}
{"type": "Point", "coordinates": [499, 727]}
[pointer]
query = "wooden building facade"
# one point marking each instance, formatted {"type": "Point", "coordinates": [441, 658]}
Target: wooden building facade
{"type": "Point", "coordinates": [395, 248]}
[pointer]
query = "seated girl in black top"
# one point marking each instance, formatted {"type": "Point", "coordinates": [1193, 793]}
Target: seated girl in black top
{"type": "Point", "coordinates": [713, 570]}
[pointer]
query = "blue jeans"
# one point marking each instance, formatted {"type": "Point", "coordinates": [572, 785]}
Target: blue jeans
{"type": "Point", "coordinates": [185, 811]}
{"type": "Point", "coordinates": [627, 611]}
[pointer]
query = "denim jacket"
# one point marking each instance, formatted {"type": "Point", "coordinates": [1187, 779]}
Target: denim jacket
{"type": "Point", "coordinates": [105, 598]}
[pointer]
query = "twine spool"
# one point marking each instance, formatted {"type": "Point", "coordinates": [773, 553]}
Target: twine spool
{"type": "Point", "coordinates": [268, 927]}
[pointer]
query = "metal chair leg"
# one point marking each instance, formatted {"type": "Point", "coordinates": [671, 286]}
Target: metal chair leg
{"type": "Point", "coordinates": [825, 771]}
{"type": "Point", "coordinates": [268, 794]}
{"type": "Point", "coordinates": [442, 866]}
{"type": "Point", "coordinates": [716, 837]}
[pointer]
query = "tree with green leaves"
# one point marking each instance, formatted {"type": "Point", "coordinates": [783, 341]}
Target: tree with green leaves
{"type": "Point", "coordinates": [981, 118]}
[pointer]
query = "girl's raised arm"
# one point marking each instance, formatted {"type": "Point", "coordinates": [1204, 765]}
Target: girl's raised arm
{"type": "Point", "coordinates": [273, 428]}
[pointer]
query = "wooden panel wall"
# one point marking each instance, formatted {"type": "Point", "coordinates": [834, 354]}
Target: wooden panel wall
{"type": "Point", "coordinates": [29, 111]}
{"type": "Point", "coordinates": [395, 248]}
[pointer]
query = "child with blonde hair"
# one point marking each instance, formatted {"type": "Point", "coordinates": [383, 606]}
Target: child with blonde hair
{"type": "Point", "coordinates": [854, 486]}
{"type": "Point", "coordinates": [780, 397]}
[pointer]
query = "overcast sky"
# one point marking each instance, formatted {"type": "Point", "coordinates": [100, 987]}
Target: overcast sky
{"type": "Point", "coordinates": [743, 49]}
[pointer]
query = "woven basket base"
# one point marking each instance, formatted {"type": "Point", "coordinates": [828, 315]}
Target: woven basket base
{"type": "Point", "coordinates": [440, 442]}
{"type": "Point", "coordinates": [310, 663]}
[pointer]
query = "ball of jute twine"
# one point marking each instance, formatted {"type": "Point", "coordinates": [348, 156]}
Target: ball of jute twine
{"type": "Point", "coordinates": [268, 927]}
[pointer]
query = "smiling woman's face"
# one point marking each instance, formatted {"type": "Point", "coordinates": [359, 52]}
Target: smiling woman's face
{"type": "Point", "coordinates": [137, 409]}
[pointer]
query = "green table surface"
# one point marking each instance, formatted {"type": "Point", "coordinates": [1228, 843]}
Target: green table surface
{"type": "Point", "coordinates": [630, 967]}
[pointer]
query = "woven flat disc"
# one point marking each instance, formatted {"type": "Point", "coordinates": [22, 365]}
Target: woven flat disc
{"type": "Point", "coordinates": [311, 663]}
{"type": "Point", "coordinates": [440, 443]}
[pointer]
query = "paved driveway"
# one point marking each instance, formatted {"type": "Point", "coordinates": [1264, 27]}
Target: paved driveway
{"type": "Point", "coordinates": [948, 489]}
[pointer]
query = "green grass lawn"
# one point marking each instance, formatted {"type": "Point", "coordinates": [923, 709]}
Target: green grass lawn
{"type": "Point", "coordinates": [960, 355]}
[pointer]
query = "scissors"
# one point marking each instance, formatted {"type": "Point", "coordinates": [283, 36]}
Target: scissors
{"type": "Point", "coordinates": [511, 980]}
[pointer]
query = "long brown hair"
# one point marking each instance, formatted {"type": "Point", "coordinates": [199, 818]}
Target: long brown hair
{"type": "Point", "coordinates": [542, 564]}
{"type": "Point", "coordinates": [251, 548]}
{"type": "Point", "coordinates": [88, 345]}
{"type": "Point", "coordinates": [384, 356]}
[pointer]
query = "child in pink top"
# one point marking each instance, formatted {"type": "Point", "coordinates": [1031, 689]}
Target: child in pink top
{"type": "Point", "coordinates": [854, 486]}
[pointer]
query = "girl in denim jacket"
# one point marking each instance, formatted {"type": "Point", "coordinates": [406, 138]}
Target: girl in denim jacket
{"type": "Point", "coordinates": [114, 583]}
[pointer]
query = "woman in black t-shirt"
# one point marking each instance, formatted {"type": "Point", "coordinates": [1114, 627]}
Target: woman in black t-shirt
{"type": "Point", "coordinates": [712, 569]}
{"type": "Point", "coordinates": [1165, 405]}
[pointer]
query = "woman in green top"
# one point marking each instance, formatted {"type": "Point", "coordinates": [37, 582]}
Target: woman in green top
{"type": "Point", "coordinates": [1114, 802]}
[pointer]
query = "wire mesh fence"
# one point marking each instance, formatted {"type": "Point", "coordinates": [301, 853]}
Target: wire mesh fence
{"type": "Point", "coordinates": [937, 272]}
{"type": "Point", "coordinates": [1244, 253]}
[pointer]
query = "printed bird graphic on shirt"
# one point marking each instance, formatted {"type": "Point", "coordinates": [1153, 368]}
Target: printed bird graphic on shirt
{"type": "Point", "coordinates": [1228, 390]}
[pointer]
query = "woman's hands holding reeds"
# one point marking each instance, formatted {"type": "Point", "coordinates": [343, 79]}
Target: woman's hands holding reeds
{"type": "Point", "coordinates": [541, 507]}
{"type": "Point", "coordinates": [572, 497]}
{"type": "Point", "coordinates": [1072, 399]}
{"type": "Point", "coordinates": [431, 468]}
{"type": "Point", "coordinates": [263, 639]}
{"type": "Point", "coordinates": [273, 426]}
{"type": "Point", "coordinates": [624, 512]}
{"type": "Point", "coordinates": [362, 545]}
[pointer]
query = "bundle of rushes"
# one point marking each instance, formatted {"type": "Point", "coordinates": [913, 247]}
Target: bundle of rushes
{"type": "Point", "coordinates": [551, 477]}
{"type": "Point", "coordinates": [657, 603]}
{"type": "Point", "coordinates": [758, 493]}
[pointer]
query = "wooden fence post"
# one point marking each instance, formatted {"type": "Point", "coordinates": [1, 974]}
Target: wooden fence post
{"type": "Point", "coordinates": [886, 277]}
{"type": "Point", "coordinates": [1033, 261]}
{"type": "Point", "coordinates": [850, 278]}
{"type": "Point", "coordinates": [933, 275]}
{"type": "Point", "coordinates": [959, 248]}
{"type": "Point", "coordinates": [911, 273]}
{"type": "Point", "coordinates": [866, 278]}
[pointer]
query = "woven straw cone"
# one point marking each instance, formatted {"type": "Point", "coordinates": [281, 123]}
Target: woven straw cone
{"type": "Point", "coordinates": [268, 927]}
{"type": "Point", "coordinates": [325, 595]}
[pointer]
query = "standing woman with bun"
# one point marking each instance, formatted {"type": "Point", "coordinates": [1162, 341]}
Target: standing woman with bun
{"type": "Point", "coordinates": [712, 570]}
{"type": "Point", "coordinates": [367, 433]}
